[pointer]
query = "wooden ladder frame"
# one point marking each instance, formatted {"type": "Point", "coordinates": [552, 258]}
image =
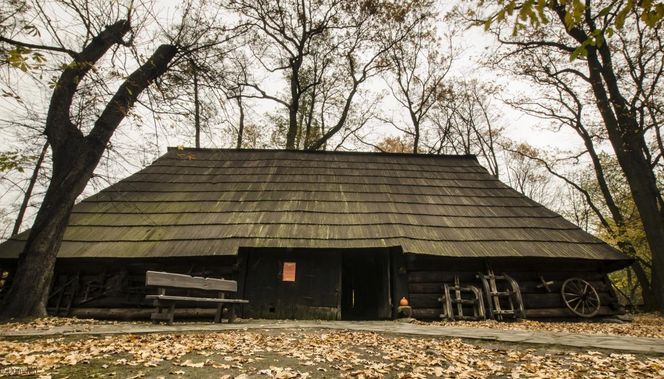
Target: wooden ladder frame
{"type": "Point", "coordinates": [512, 294]}
{"type": "Point", "coordinates": [456, 302]}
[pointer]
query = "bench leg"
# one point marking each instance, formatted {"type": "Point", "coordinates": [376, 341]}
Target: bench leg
{"type": "Point", "coordinates": [155, 316]}
{"type": "Point", "coordinates": [217, 316]}
{"type": "Point", "coordinates": [165, 312]}
{"type": "Point", "coordinates": [171, 314]}
{"type": "Point", "coordinates": [231, 313]}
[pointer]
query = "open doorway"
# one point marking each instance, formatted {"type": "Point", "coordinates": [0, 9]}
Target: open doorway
{"type": "Point", "coordinates": [365, 285]}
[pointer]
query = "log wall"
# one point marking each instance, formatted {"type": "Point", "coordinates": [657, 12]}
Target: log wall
{"type": "Point", "coordinates": [117, 283]}
{"type": "Point", "coordinates": [120, 283]}
{"type": "Point", "coordinates": [427, 274]}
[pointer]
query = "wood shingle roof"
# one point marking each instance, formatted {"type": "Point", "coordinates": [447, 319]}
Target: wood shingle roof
{"type": "Point", "coordinates": [195, 202]}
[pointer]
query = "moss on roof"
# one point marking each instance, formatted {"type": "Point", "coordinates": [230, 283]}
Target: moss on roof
{"type": "Point", "coordinates": [195, 202]}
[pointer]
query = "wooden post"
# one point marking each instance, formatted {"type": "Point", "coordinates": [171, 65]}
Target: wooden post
{"type": "Point", "coordinates": [171, 313]}
{"type": "Point", "coordinates": [157, 315]}
{"type": "Point", "coordinates": [398, 279]}
{"type": "Point", "coordinates": [243, 266]}
{"type": "Point", "coordinates": [231, 313]}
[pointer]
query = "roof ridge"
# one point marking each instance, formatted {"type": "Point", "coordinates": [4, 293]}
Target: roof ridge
{"type": "Point", "coordinates": [324, 152]}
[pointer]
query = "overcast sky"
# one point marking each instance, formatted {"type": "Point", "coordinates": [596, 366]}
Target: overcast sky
{"type": "Point", "coordinates": [142, 131]}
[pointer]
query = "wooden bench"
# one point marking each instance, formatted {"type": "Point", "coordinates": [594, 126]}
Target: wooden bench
{"type": "Point", "coordinates": [166, 303]}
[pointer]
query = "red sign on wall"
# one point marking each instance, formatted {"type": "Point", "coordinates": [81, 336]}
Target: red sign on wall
{"type": "Point", "coordinates": [288, 274]}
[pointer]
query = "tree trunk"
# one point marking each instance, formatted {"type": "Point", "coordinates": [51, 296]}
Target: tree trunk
{"type": "Point", "coordinates": [629, 145]}
{"type": "Point", "coordinates": [28, 293]}
{"type": "Point", "coordinates": [197, 108]}
{"type": "Point", "coordinates": [293, 108]}
{"type": "Point", "coordinates": [74, 159]}
{"type": "Point", "coordinates": [646, 286]}
{"type": "Point", "coordinates": [638, 174]}
{"type": "Point", "coordinates": [325, 136]}
{"type": "Point", "coordinates": [641, 276]}
{"type": "Point", "coordinates": [291, 134]}
{"type": "Point", "coordinates": [28, 191]}
{"type": "Point", "coordinates": [240, 130]}
{"type": "Point", "coordinates": [310, 117]}
{"type": "Point", "coordinates": [416, 128]}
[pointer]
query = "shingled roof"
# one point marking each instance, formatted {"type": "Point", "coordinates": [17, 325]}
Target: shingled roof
{"type": "Point", "coordinates": [197, 202]}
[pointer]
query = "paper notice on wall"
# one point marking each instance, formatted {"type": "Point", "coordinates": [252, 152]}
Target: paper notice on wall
{"type": "Point", "coordinates": [288, 272]}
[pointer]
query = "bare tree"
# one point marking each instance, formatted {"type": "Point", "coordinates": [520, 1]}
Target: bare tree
{"type": "Point", "coordinates": [564, 103]}
{"type": "Point", "coordinates": [325, 50]}
{"type": "Point", "coordinates": [618, 94]}
{"type": "Point", "coordinates": [526, 173]}
{"type": "Point", "coordinates": [466, 122]}
{"type": "Point", "coordinates": [416, 78]}
{"type": "Point", "coordinates": [75, 154]}
{"type": "Point", "coordinates": [195, 90]}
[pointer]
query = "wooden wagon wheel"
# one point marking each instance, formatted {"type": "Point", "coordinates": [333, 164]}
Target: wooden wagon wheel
{"type": "Point", "coordinates": [580, 297]}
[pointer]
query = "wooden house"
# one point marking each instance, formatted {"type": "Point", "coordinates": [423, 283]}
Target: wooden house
{"type": "Point", "coordinates": [330, 235]}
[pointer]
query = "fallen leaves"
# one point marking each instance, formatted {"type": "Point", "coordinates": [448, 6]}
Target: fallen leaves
{"type": "Point", "coordinates": [643, 325]}
{"type": "Point", "coordinates": [49, 323]}
{"type": "Point", "coordinates": [283, 373]}
{"type": "Point", "coordinates": [305, 354]}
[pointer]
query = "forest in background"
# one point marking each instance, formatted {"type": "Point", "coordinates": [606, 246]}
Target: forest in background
{"type": "Point", "coordinates": [480, 78]}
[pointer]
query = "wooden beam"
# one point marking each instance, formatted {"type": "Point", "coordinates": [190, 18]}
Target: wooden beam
{"type": "Point", "coordinates": [196, 299]}
{"type": "Point", "coordinates": [138, 313]}
{"type": "Point", "coordinates": [166, 279]}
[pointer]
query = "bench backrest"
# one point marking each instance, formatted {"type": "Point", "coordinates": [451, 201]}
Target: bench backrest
{"type": "Point", "coordinates": [167, 279]}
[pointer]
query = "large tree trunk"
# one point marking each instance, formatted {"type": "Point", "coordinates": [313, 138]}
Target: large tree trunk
{"type": "Point", "coordinates": [646, 287]}
{"type": "Point", "coordinates": [75, 157]}
{"type": "Point", "coordinates": [626, 246]}
{"type": "Point", "coordinates": [28, 293]}
{"type": "Point", "coordinates": [646, 202]}
{"type": "Point", "coordinates": [641, 276]}
{"type": "Point", "coordinates": [629, 145]}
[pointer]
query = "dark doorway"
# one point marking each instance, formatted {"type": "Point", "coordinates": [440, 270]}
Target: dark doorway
{"type": "Point", "coordinates": [365, 285]}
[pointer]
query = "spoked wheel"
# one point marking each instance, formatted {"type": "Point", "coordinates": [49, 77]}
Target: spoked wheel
{"type": "Point", "coordinates": [580, 297]}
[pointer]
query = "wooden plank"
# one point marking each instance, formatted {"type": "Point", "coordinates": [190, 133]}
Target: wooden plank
{"type": "Point", "coordinates": [555, 300]}
{"type": "Point", "coordinates": [138, 313]}
{"type": "Point", "coordinates": [423, 288]}
{"type": "Point", "coordinates": [160, 316]}
{"type": "Point", "coordinates": [441, 277]}
{"type": "Point", "coordinates": [165, 279]}
{"type": "Point", "coordinates": [196, 299]}
{"type": "Point", "coordinates": [555, 276]}
{"type": "Point", "coordinates": [427, 313]}
{"type": "Point", "coordinates": [530, 286]}
{"type": "Point", "coordinates": [398, 280]}
{"type": "Point", "coordinates": [564, 312]}
{"type": "Point", "coordinates": [545, 266]}
{"type": "Point", "coordinates": [426, 300]}
{"type": "Point", "coordinates": [430, 263]}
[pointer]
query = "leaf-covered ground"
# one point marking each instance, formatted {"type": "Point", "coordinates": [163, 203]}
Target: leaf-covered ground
{"type": "Point", "coordinates": [643, 325]}
{"type": "Point", "coordinates": [307, 353]}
